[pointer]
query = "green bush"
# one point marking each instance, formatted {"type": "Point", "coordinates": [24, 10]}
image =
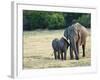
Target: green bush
{"type": "Point", "coordinates": [38, 20]}
{"type": "Point", "coordinates": [55, 21]}
{"type": "Point", "coordinates": [85, 20]}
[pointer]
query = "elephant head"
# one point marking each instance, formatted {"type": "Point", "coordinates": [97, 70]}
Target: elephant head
{"type": "Point", "coordinates": [71, 34]}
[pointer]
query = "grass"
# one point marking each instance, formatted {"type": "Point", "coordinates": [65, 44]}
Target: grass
{"type": "Point", "coordinates": [38, 53]}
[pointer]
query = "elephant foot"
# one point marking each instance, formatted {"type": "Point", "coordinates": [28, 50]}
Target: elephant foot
{"type": "Point", "coordinates": [58, 57]}
{"type": "Point", "coordinates": [71, 58]}
{"type": "Point", "coordinates": [62, 58]}
{"type": "Point", "coordinates": [65, 59]}
{"type": "Point", "coordinates": [83, 55]}
{"type": "Point", "coordinates": [77, 58]}
{"type": "Point", "coordinates": [55, 58]}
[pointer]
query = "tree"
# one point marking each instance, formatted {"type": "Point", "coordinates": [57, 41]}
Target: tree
{"type": "Point", "coordinates": [26, 20]}
{"type": "Point", "coordinates": [38, 20]}
{"type": "Point", "coordinates": [85, 20]}
{"type": "Point", "coordinates": [55, 21]}
{"type": "Point", "coordinates": [69, 17]}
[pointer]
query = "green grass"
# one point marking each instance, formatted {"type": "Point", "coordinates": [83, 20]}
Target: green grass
{"type": "Point", "coordinates": [38, 53]}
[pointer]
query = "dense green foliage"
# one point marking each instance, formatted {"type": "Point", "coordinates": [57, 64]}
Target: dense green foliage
{"type": "Point", "coordinates": [85, 20]}
{"type": "Point", "coordinates": [53, 20]}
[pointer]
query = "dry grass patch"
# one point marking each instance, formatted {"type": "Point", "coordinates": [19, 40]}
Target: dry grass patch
{"type": "Point", "coordinates": [38, 53]}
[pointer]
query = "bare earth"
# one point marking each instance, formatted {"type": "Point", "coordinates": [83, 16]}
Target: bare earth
{"type": "Point", "coordinates": [38, 53]}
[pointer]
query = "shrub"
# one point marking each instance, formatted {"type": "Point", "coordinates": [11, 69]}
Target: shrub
{"type": "Point", "coordinates": [56, 21]}
{"type": "Point", "coordinates": [85, 20]}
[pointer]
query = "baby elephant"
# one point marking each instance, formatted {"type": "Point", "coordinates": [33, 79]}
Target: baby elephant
{"type": "Point", "coordinates": [60, 47]}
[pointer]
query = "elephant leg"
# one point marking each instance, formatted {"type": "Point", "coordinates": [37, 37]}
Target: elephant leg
{"type": "Point", "coordinates": [58, 54]}
{"type": "Point", "coordinates": [83, 47]}
{"type": "Point", "coordinates": [55, 55]}
{"type": "Point", "coordinates": [76, 54]}
{"type": "Point", "coordinates": [71, 52]}
{"type": "Point", "coordinates": [64, 55]}
{"type": "Point", "coordinates": [75, 49]}
{"type": "Point", "coordinates": [77, 46]}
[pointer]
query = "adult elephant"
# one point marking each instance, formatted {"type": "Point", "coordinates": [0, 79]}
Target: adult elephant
{"type": "Point", "coordinates": [76, 34]}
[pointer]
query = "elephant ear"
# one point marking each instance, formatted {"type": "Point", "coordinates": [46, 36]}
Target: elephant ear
{"type": "Point", "coordinates": [66, 39]}
{"type": "Point", "coordinates": [66, 33]}
{"type": "Point", "coordinates": [68, 43]}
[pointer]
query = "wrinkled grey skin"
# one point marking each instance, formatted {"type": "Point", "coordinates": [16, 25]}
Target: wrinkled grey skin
{"type": "Point", "coordinates": [60, 47]}
{"type": "Point", "coordinates": [77, 34]}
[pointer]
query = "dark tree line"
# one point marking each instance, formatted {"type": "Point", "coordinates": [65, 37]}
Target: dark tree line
{"type": "Point", "coordinates": [53, 20]}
